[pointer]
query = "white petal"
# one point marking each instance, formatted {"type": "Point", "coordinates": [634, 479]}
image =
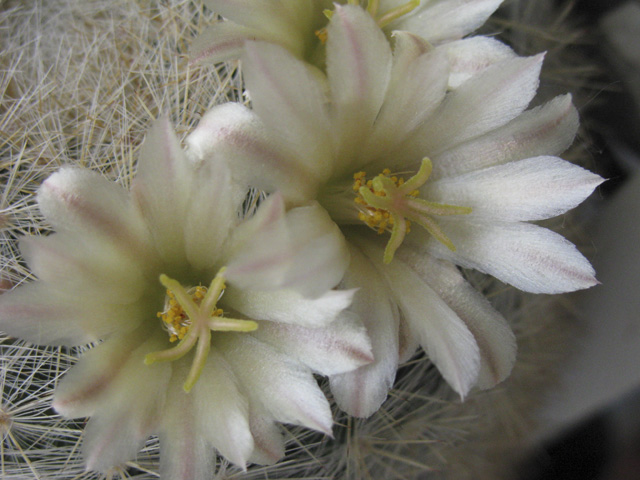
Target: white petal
{"type": "Point", "coordinates": [264, 15]}
{"type": "Point", "coordinates": [361, 392]}
{"type": "Point", "coordinates": [37, 313]}
{"type": "Point", "coordinates": [289, 306]}
{"type": "Point", "coordinates": [443, 335]}
{"type": "Point", "coordinates": [234, 134]}
{"type": "Point", "coordinates": [284, 388]}
{"type": "Point", "coordinates": [304, 251]}
{"type": "Point", "coordinates": [417, 87]}
{"type": "Point", "coordinates": [473, 55]}
{"type": "Point", "coordinates": [222, 41]}
{"type": "Point", "coordinates": [495, 339]}
{"type": "Point", "coordinates": [291, 102]}
{"type": "Point", "coordinates": [526, 256]}
{"type": "Point", "coordinates": [222, 412]}
{"type": "Point", "coordinates": [128, 414]}
{"type": "Point", "coordinates": [260, 247]}
{"type": "Point", "coordinates": [486, 101]}
{"type": "Point", "coordinates": [70, 263]}
{"type": "Point", "coordinates": [545, 130]}
{"type": "Point", "coordinates": [446, 20]}
{"type": "Point", "coordinates": [320, 252]}
{"type": "Point", "coordinates": [531, 189]}
{"type": "Point", "coordinates": [358, 67]}
{"type": "Point", "coordinates": [91, 381]}
{"type": "Point", "coordinates": [212, 215]}
{"type": "Point", "coordinates": [269, 444]}
{"type": "Point", "coordinates": [184, 452]}
{"type": "Point", "coordinates": [161, 189]}
{"type": "Point", "coordinates": [340, 347]}
{"type": "Point", "coordinates": [84, 203]}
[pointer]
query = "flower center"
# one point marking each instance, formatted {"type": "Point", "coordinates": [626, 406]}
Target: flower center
{"type": "Point", "coordinates": [190, 316]}
{"type": "Point", "coordinates": [390, 203]}
{"type": "Point", "coordinates": [372, 7]}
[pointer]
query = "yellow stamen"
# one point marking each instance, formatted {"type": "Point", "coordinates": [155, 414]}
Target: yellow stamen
{"type": "Point", "coordinates": [391, 201]}
{"type": "Point", "coordinates": [190, 316]}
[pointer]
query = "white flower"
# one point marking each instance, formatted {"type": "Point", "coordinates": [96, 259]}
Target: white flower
{"type": "Point", "coordinates": [494, 170]}
{"type": "Point", "coordinates": [133, 270]}
{"type": "Point", "coordinates": [300, 25]}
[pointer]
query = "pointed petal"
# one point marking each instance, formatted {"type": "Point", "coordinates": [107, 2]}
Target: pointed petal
{"type": "Point", "coordinates": [340, 347]}
{"type": "Point", "coordinates": [438, 22]}
{"type": "Point", "coordinates": [184, 455]}
{"type": "Point", "coordinates": [531, 189]}
{"type": "Point", "coordinates": [37, 313]}
{"type": "Point", "coordinates": [67, 263]}
{"type": "Point", "coordinates": [222, 411]}
{"type": "Point", "coordinates": [417, 87]}
{"type": "Point", "coordinates": [234, 134]}
{"type": "Point", "coordinates": [222, 41]}
{"type": "Point", "coordinates": [212, 215]}
{"type": "Point", "coordinates": [320, 252]}
{"type": "Point", "coordinates": [284, 388]}
{"type": "Point", "coordinates": [361, 392]}
{"type": "Point", "coordinates": [493, 334]}
{"type": "Point", "coordinates": [161, 189]}
{"type": "Point", "coordinates": [358, 68]}
{"type": "Point", "coordinates": [289, 306]}
{"type": "Point", "coordinates": [473, 55]}
{"type": "Point", "coordinates": [545, 130]}
{"type": "Point", "coordinates": [84, 203]}
{"type": "Point", "coordinates": [486, 101]}
{"type": "Point", "coordinates": [443, 335]}
{"type": "Point", "coordinates": [307, 253]}
{"type": "Point", "coordinates": [290, 100]}
{"type": "Point", "coordinates": [102, 370]}
{"type": "Point", "coordinates": [127, 412]}
{"type": "Point", "coordinates": [526, 256]}
{"type": "Point", "coordinates": [269, 444]}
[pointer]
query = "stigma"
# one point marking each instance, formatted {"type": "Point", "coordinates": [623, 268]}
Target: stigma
{"type": "Point", "coordinates": [389, 203]}
{"type": "Point", "coordinates": [190, 316]}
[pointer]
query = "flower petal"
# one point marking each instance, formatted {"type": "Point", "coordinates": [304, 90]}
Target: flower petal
{"type": "Point", "coordinates": [161, 189]}
{"type": "Point", "coordinates": [358, 68]}
{"type": "Point", "coordinates": [37, 313]}
{"type": "Point", "coordinates": [69, 264]}
{"type": "Point", "coordinates": [495, 339]}
{"type": "Point", "coordinates": [531, 189]}
{"type": "Point", "coordinates": [443, 335]}
{"type": "Point", "coordinates": [82, 202]}
{"type": "Point", "coordinates": [221, 411]}
{"type": "Point", "coordinates": [213, 213]}
{"type": "Point", "coordinates": [545, 130]}
{"type": "Point", "coordinates": [340, 347]}
{"type": "Point", "coordinates": [289, 306]}
{"type": "Point", "coordinates": [438, 22]}
{"type": "Point", "coordinates": [269, 444]}
{"type": "Point", "coordinates": [486, 101]}
{"type": "Point", "coordinates": [417, 87]}
{"type": "Point", "coordinates": [127, 414]}
{"type": "Point", "coordinates": [284, 388]}
{"type": "Point", "coordinates": [234, 134]}
{"type": "Point", "coordinates": [290, 99]}
{"type": "Point", "coordinates": [473, 55]}
{"type": "Point", "coordinates": [361, 392]}
{"type": "Point", "coordinates": [526, 256]}
{"type": "Point", "coordinates": [306, 253]}
{"type": "Point", "coordinates": [221, 41]}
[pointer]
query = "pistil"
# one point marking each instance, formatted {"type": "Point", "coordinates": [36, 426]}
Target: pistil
{"type": "Point", "coordinates": [390, 203]}
{"type": "Point", "coordinates": [194, 316]}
